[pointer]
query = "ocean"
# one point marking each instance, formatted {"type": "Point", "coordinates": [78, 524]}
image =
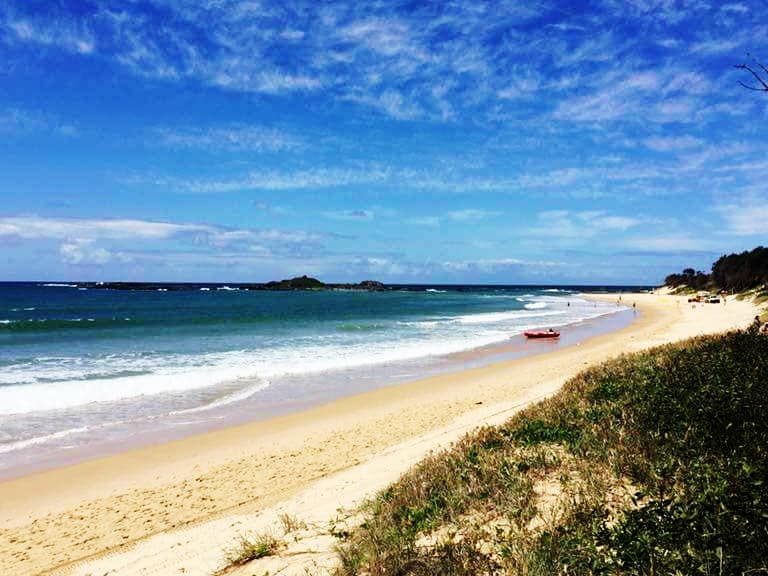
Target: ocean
{"type": "Point", "coordinates": [89, 369]}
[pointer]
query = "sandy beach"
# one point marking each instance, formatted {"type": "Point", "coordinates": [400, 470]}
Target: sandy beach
{"type": "Point", "coordinates": [174, 508]}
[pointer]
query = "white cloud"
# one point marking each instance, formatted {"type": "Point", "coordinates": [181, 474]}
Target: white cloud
{"type": "Point", "coordinates": [84, 252]}
{"type": "Point", "coordinates": [291, 34]}
{"type": "Point", "coordinates": [668, 243]}
{"type": "Point", "coordinates": [388, 37]}
{"type": "Point", "coordinates": [735, 7]}
{"type": "Point", "coordinates": [35, 227]}
{"type": "Point", "coordinates": [472, 215]}
{"type": "Point", "coordinates": [23, 121]}
{"type": "Point", "coordinates": [749, 218]}
{"type": "Point", "coordinates": [430, 221]}
{"type": "Point", "coordinates": [235, 137]}
{"type": "Point", "coordinates": [672, 143]}
{"type": "Point", "coordinates": [63, 33]}
{"type": "Point", "coordinates": [359, 215]}
{"type": "Point", "coordinates": [379, 265]}
{"type": "Point", "coordinates": [718, 46]}
{"type": "Point", "coordinates": [496, 265]}
{"type": "Point", "coordinates": [314, 178]}
{"type": "Point", "coordinates": [277, 81]}
{"type": "Point", "coordinates": [669, 42]}
{"type": "Point", "coordinates": [82, 240]}
{"type": "Point", "coordinates": [578, 225]}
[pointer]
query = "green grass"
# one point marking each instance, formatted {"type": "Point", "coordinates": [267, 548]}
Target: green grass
{"type": "Point", "coordinates": [247, 550]}
{"type": "Point", "coordinates": [660, 459]}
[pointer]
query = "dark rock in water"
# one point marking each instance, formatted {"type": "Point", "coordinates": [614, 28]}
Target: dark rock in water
{"type": "Point", "coordinates": [298, 283]}
{"type": "Point", "coordinates": [373, 285]}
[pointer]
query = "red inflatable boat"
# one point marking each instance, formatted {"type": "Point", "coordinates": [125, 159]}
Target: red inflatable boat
{"type": "Point", "coordinates": [541, 334]}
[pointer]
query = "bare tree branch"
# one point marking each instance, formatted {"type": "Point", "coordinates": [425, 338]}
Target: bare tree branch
{"type": "Point", "coordinates": [762, 80]}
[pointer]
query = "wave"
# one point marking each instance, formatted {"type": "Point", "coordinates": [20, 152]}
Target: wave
{"type": "Point", "coordinates": [49, 324]}
{"type": "Point", "coordinates": [55, 383]}
{"type": "Point", "coordinates": [59, 285]}
{"type": "Point", "coordinates": [360, 327]}
{"type": "Point", "coordinates": [195, 371]}
{"type": "Point", "coordinates": [54, 324]}
{"type": "Point", "coordinates": [491, 317]}
{"type": "Point", "coordinates": [240, 395]}
{"type": "Point", "coordinates": [434, 290]}
{"type": "Point", "coordinates": [224, 400]}
{"type": "Point", "coordinates": [68, 392]}
{"type": "Point", "coordinates": [27, 442]}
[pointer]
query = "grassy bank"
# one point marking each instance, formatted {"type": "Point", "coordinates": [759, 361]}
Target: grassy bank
{"type": "Point", "coordinates": [653, 463]}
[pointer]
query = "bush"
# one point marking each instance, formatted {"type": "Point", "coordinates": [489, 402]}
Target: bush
{"type": "Point", "coordinates": [684, 424]}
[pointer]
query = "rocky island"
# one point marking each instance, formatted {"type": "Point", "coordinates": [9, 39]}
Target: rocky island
{"type": "Point", "coordinates": [297, 283]}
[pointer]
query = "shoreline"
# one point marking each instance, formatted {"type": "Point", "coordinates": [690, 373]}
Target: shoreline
{"type": "Point", "coordinates": [294, 395]}
{"type": "Point", "coordinates": [115, 505]}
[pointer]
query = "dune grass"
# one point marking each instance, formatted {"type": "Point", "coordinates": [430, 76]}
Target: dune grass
{"type": "Point", "coordinates": [654, 463]}
{"type": "Point", "coordinates": [248, 549]}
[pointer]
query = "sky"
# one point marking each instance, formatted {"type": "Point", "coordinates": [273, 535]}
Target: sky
{"type": "Point", "coordinates": [533, 142]}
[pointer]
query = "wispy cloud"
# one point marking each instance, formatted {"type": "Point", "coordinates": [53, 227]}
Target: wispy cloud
{"type": "Point", "coordinates": [358, 215]}
{"type": "Point", "coordinates": [580, 225]}
{"type": "Point", "coordinates": [747, 218]}
{"type": "Point", "coordinates": [672, 143]}
{"type": "Point", "coordinates": [32, 227]}
{"type": "Point", "coordinates": [429, 221]}
{"type": "Point", "coordinates": [405, 61]}
{"type": "Point", "coordinates": [67, 34]}
{"type": "Point", "coordinates": [97, 241]}
{"type": "Point", "coordinates": [472, 214]}
{"type": "Point", "coordinates": [229, 138]}
{"type": "Point", "coordinates": [495, 265]}
{"type": "Point", "coordinates": [682, 242]}
{"type": "Point", "coordinates": [83, 252]}
{"type": "Point", "coordinates": [305, 179]}
{"type": "Point", "coordinates": [25, 121]}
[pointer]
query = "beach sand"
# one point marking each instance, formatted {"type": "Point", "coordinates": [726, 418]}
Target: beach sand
{"type": "Point", "coordinates": [174, 508]}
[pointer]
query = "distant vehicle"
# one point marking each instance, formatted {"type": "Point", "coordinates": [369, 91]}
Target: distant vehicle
{"type": "Point", "coordinates": [713, 300]}
{"type": "Point", "coordinates": [541, 334]}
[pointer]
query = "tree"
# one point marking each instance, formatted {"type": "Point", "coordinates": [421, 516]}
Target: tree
{"type": "Point", "coordinates": [760, 75]}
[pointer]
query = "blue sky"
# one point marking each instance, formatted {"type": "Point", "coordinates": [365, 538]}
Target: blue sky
{"type": "Point", "coordinates": [510, 142]}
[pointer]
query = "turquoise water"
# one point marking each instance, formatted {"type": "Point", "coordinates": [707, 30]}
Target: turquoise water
{"type": "Point", "coordinates": [74, 361]}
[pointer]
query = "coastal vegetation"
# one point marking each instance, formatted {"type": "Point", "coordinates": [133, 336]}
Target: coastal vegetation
{"type": "Point", "coordinates": [652, 463]}
{"type": "Point", "coordinates": [733, 273]}
{"type": "Point", "coordinates": [248, 550]}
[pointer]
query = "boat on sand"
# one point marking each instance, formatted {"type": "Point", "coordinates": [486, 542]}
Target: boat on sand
{"type": "Point", "coordinates": [541, 334]}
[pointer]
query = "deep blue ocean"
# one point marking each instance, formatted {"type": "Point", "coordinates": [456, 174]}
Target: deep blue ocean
{"type": "Point", "coordinates": [74, 361]}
